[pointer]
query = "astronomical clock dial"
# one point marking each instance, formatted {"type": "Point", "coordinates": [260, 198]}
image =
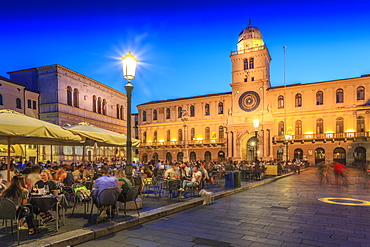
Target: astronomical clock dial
{"type": "Point", "coordinates": [249, 101]}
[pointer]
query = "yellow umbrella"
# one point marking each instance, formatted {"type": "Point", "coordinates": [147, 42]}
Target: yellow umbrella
{"type": "Point", "coordinates": [101, 136]}
{"type": "Point", "coordinates": [17, 128]}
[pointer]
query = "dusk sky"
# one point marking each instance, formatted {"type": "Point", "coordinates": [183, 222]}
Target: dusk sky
{"type": "Point", "coordinates": [183, 47]}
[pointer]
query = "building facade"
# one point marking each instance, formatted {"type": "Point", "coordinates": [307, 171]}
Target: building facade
{"type": "Point", "coordinates": [319, 121]}
{"type": "Point", "coordinates": [68, 98]}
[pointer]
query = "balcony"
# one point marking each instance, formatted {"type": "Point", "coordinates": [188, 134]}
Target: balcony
{"type": "Point", "coordinates": [180, 144]}
{"type": "Point", "coordinates": [262, 47]}
{"type": "Point", "coordinates": [354, 136]}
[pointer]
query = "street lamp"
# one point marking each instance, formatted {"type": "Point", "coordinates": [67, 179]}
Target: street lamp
{"type": "Point", "coordinates": [256, 124]}
{"type": "Point", "coordinates": [184, 118]}
{"type": "Point", "coordinates": [129, 63]}
{"type": "Point", "coordinates": [287, 139]}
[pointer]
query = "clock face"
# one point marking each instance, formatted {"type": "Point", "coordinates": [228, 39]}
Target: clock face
{"type": "Point", "coordinates": [249, 101]}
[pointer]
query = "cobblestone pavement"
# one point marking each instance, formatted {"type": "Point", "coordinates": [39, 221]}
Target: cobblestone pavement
{"type": "Point", "coordinates": [286, 212]}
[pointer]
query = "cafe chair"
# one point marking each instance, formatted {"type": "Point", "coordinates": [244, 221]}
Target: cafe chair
{"type": "Point", "coordinates": [131, 196]}
{"type": "Point", "coordinates": [8, 211]}
{"type": "Point", "coordinates": [171, 186]}
{"type": "Point", "coordinates": [45, 204]}
{"type": "Point", "coordinates": [107, 197]}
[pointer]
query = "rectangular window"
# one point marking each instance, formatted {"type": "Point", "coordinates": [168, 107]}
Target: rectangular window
{"type": "Point", "coordinates": [29, 103]}
{"type": "Point", "coordinates": [34, 104]}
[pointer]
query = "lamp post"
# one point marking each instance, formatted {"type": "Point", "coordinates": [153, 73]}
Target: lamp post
{"type": "Point", "coordinates": [129, 63]}
{"type": "Point", "coordinates": [184, 118]}
{"type": "Point", "coordinates": [287, 139]}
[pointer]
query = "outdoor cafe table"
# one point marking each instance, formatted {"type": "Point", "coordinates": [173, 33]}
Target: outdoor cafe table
{"type": "Point", "coordinates": [44, 203]}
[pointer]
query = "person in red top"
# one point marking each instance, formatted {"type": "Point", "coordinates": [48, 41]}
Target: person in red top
{"type": "Point", "coordinates": [339, 172]}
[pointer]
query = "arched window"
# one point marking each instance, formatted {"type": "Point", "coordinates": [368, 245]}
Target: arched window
{"type": "Point", "coordinates": [145, 157]}
{"type": "Point", "coordinates": [193, 156]}
{"type": "Point", "coordinates": [104, 108]}
{"type": "Point", "coordinates": [144, 116]}
{"type": "Point", "coordinates": [298, 153]}
{"type": "Point", "coordinates": [144, 136]}
{"type": "Point", "coordinates": [168, 156]}
{"type": "Point", "coordinates": [1, 99]}
{"type": "Point", "coordinates": [207, 156]}
{"type": "Point", "coordinates": [251, 63]}
{"type": "Point", "coordinates": [319, 155]}
{"type": "Point", "coordinates": [75, 97]}
{"type": "Point", "coordinates": [192, 134]}
{"type": "Point", "coordinates": [339, 125]}
{"type": "Point", "coordinates": [208, 133]}
{"type": "Point", "coordinates": [192, 111]}
{"type": "Point", "coordinates": [206, 109]}
{"type": "Point", "coordinates": [339, 155]}
{"type": "Point", "coordinates": [94, 103]}
{"type": "Point", "coordinates": [319, 98]}
{"type": "Point", "coordinates": [221, 155]}
{"type": "Point", "coordinates": [220, 108]}
{"type": "Point", "coordinates": [168, 135]}
{"type": "Point", "coordinates": [298, 100]}
{"type": "Point", "coordinates": [281, 102]}
{"type": "Point", "coordinates": [360, 93]}
{"type": "Point", "coordinates": [221, 132]}
{"type": "Point", "coordinates": [319, 126]}
{"type": "Point", "coordinates": [155, 156]}
{"type": "Point", "coordinates": [179, 112]}
{"type": "Point", "coordinates": [69, 96]}
{"type": "Point", "coordinates": [360, 155]}
{"type": "Point", "coordinates": [118, 111]}
{"type": "Point", "coordinates": [360, 124]}
{"type": "Point", "coordinates": [168, 113]}
{"type": "Point", "coordinates": [180, 135]}
{"type": "Point", "coordinates": [18, 103]}
{"type": "Point", "coordinates": [180, 156]}
{"type": "Point", "coordinates": [339, 96]}
{"type": "Point", "coordinates": [252, 79]}
{"type": "Point", "coordinates": [298, 128]}
{"type": "Point", "coordinates": [155, 116]}
{"type": "Point", "coordinates": [155, 137]}
{"type": "Point", "coordinates": [99, 105]}
{"type": "Point", "coordinates": [245, 64]}
{"type": "Point", "coordinates": [281, 130]}
{"type": "Point", "coordinates": [122, 111]}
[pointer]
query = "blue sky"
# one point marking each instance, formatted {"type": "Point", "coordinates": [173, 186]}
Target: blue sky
{"type": "Point", "coordinates": [183, 46]}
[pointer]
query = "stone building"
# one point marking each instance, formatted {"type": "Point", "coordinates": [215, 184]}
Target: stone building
{"type": "Point", "coordinates": [319, 121]}
{"type": "Point", "coordinates": [67, 97]}
{"type": "Point", "coordinates": [17, 97]}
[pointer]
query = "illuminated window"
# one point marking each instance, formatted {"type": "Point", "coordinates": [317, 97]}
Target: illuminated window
{"type": "Point", "coordinates": [319, 126]}
{"type": "Point", "coordinates": [155, 137]}
{"type": "Point", "coordinates": [221, 132]}
{"type": "Point", "coordinates": [251, 63]}
{"type": "Point", "coordinates": [206, 109]}
{"type": "Point", "coordinates": [168, 135]}
{"type": "Point", "coordinates": [168, 113]}
{"type": "Point", "coordinates": [69, 96]}
{"type": "Point", "coordinates": [298, 100]}
{"type": "Point", "coordinates": [360, 93]}
{"type": "Point", "coordinates": [360, 124]}
{"type": "Point", "coordinates": [192, 134]}
{"type": "Point", "coordinates": [281, 130]}
{"type": "Point", "coordinates": [208, 133]}
{"type": "Point", "coordinates": [339, 125]}
{"type": "Point", "coordinates": [298, 128]}
{"type": "Point", "coordinates": [220, 108]}
{"type": "Point", "coordinates": [155, 115]}
{"type": "Point", "coordinates": [192, 111]}
{"type": "Point", "coordinates": [319, 98]}
{"type": "Point", "coordinates": [339, 96]}
{"type": "Point", "coordinates": [245, 64]}
{"type": "Point", "coordinates": [281, 102]}
{"type": "Point", "coordinates": [144, 115]}
{"type": "Point", "coordinates": [144, 137]}
{"type": "Point", "coordinates": [180, 135]}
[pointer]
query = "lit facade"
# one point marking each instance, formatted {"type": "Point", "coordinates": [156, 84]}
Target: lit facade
{"type": "Point", "coordinates": [320, 121]}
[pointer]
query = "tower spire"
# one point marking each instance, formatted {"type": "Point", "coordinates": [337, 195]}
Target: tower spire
{"type": "Point", "coordinates": [250, 22]}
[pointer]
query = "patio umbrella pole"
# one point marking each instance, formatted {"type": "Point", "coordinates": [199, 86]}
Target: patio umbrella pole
{"type": "Point", "coordinates": [83, 154]}
{"type": "Point", "coordinates": [51, 153]}
{"type": "Point", "coordinates": [8, 167]}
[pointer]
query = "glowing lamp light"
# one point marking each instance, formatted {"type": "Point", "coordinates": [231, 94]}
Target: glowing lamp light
{"type": "Point", "coordinates": [329, 134]}
{"type": "Point", "coordinates": [129, 64]}
{"type": "Point", "coordinates": [256, 123]}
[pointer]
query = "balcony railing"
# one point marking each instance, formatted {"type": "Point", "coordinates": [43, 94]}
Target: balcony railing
{"type": "Point", "coordinates": [262, 47]}
{"type": "Point", "coordinates": [203, 142]}
{"type": "Point", "coordinates": [324, 136]}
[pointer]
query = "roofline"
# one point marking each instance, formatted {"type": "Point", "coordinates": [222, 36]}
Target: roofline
{"type": "Point", "coordinates": [16, 83]}
{"type": "Point", "coordinates": [72, 71]}
{"type": "Point", "coordinates": [185, 98]}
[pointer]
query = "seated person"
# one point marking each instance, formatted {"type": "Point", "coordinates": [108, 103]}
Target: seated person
{"type": "Point", "coordinates": [194, 181]}
{"type": "Point", "coordinates": [66, 178]}
{"type": "Point", "coordinates": [172, 172]}
{"type": "Point", "coordinates": [18, 194]}
{"type": "Point", "coordinates": [124, 183]}
{"type": "Point", "coordinates": [103, 182]}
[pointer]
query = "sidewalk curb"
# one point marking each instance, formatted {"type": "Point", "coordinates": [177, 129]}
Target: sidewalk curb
{"type": "Point", "coordinates": [86, 234]}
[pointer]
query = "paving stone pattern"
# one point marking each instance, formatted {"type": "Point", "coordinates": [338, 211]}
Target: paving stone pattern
{"type": "Point", "coordinates": [282, 213]}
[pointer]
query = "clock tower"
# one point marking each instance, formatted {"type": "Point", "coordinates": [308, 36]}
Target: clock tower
{"type": "Point", "coordinates": [250, 81]}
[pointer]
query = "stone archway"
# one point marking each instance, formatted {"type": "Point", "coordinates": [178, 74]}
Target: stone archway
{"type": "Point", "coordinates": [249, 147]}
